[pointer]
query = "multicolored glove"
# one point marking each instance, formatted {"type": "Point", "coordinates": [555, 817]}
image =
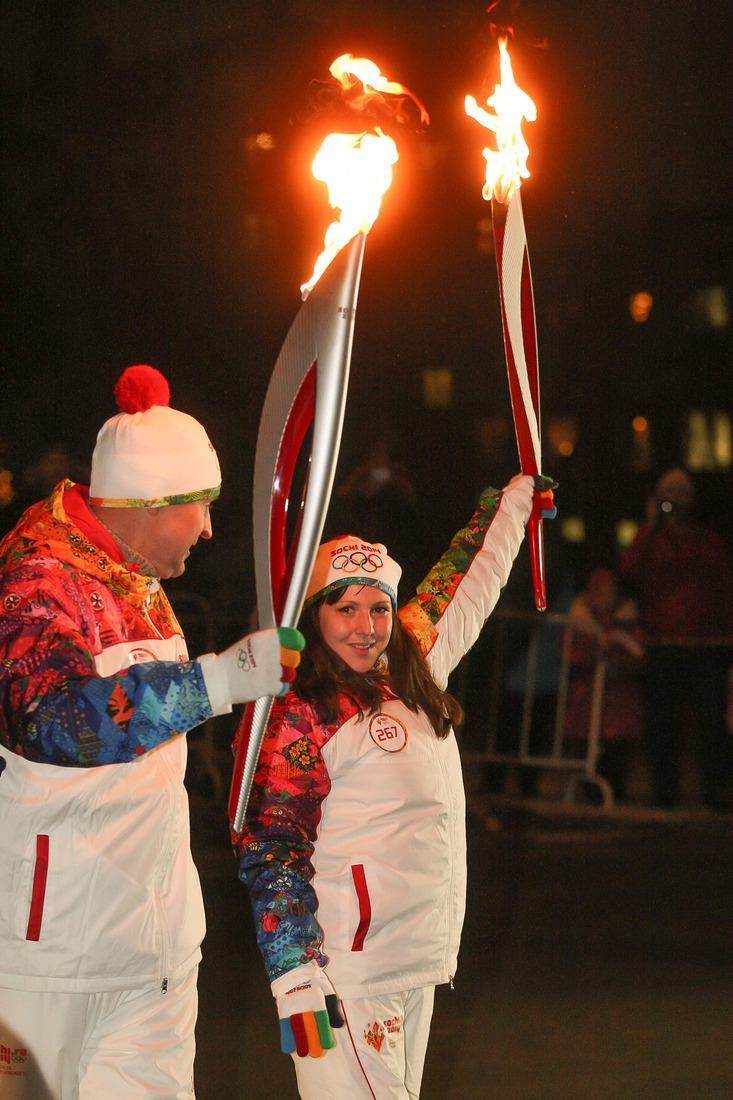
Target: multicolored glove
{"type": "Point", "coordinates": [308, 1009]}
{"type": "Point", "coordinates": [259, 664]}
{"type": "Point", "coordinates": [544, 487]}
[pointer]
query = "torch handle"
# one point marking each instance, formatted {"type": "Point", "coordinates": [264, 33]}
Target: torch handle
{"type": "Point", "coordinates": [537, 553]}
{"type": "Point", "coordinates": [249, 742]}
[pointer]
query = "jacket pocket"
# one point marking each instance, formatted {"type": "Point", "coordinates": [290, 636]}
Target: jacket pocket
{"type": "Point", "coordinates": [38, 894]}
{"type": "Point", "coordinates": [365, 905]}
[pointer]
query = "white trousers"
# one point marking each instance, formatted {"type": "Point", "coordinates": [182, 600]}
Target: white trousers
{"type": "Point", "coordinates": [127, 1045]}
{"type": "Point", "coordinates": [379, 1053]}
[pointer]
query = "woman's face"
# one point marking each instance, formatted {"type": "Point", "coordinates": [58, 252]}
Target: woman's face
{"type": "Point", "coordinates": [358, 626]}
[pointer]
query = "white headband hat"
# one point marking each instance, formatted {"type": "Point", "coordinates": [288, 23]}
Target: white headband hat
{"type": "Point", "coordinates": [149, 454]}
{"type": "Point", "coordinates": [349, 560]}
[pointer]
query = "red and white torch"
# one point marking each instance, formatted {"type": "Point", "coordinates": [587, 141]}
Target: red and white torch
{"type": "Point", "coordinates": [309, 385]}
{"type": "Point", "coordinates": [506, 166]}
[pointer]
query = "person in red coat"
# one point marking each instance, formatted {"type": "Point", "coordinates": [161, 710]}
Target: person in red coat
{"type": "Point", "coordinates": [683, 574]}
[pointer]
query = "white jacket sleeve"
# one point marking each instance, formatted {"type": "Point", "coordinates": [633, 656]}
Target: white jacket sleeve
{"type": "Point", "coordinates": [460, 592]}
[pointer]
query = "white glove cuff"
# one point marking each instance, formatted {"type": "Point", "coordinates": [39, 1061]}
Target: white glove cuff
{"type": "Point", "coordinates": [299, 975]}
{"type": "Point", "coordinates": [216, 684]}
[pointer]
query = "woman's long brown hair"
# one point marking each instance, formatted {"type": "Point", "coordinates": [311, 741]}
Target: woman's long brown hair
{"type": "Point", "coordinates": [323, 676]}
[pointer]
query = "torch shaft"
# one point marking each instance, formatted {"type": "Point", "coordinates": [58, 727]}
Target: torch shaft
{"type": "Point", "coordinates": [520, 347]}
{"type": "Point", "coordinates": [317, 349]}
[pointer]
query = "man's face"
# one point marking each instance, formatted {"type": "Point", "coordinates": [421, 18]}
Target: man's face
{"type": "Point", "coordinates": [170, 532]}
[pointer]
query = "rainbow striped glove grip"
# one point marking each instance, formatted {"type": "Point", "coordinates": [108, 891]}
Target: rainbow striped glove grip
{"type": "Point", "coordinates": [544, 489]}
{"type": "Point", "coordinates": [308, 1009]}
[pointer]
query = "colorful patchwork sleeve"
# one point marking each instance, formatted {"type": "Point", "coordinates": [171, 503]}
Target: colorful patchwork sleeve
{"type": "Point", "coordinates": [275, 847]}
{"type": "Point", "coordinates": [436, 591]}
{"type": "Point", "coordinates": [55, 709]}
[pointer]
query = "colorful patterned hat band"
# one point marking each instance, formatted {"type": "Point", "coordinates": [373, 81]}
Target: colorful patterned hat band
{"type": "Point", "coordinates": [151, 455]}
{"type": "Point", "coordinates": [350, 560]}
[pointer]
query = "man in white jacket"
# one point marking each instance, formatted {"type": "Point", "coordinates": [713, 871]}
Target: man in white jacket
{"type": "Point", "coordinates": [101, 915]}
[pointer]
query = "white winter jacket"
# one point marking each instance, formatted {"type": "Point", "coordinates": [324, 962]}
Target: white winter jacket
{"type": "Point", "coordinates": [98, 890]}
{"type": "Point", "coordinates": [354, 846]}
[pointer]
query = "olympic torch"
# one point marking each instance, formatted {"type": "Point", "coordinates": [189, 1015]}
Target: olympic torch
{"type": "Point", "coordinates": [505, 168]}
{"type": "Point", "coordinates": [309, 386]}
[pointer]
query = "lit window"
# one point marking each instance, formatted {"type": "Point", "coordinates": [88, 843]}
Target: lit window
{"type": "Point", "coordinates": [699, 451]}
{"type": "Point", "coordinates": [642, 453]}
{"type": "Point", "coordinates": [626, 532]}
{"type": "Point", "coordinates": [709, 440]}
{"type": "Point", "coordinates": [722, 440]}
{"type": "Point", "coordinates": [640, 305]}
{"type": "Point", "coordinates": [437, 388]}
{"type": "Point", "coordinates": [562, 434]}
{"type": "Point", "coordinates": [710, 308]}
{"type": "Point", "coordinates": [573, 529]}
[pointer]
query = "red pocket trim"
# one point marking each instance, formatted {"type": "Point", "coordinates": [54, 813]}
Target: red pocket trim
{"type": "Point", "coordinates": [38, 897]}
{"type": "Point", "coordinates": [365, 906]}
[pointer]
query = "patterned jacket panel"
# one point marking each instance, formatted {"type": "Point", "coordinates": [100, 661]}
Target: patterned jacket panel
{"type": "Point", "coordinates": [65, 604]}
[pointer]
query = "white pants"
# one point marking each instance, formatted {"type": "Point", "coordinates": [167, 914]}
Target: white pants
{"type": "Point", "coordinates": [379, 1053]}
{"type": "Point", "coordinates": [98, 1046]}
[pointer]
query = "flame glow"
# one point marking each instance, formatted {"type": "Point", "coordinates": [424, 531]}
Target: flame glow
{"type": "Point", "coordinates": [506, 166]}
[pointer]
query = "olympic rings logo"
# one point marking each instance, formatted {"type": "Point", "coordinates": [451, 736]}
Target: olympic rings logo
{"type": "Point", "coordinates": [357, 562]}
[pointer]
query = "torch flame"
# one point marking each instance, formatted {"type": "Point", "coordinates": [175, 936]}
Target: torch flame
{"type": "Point", "coordinates": [357, 168]}
{"type": "Point", "coordinates": [506, 167]}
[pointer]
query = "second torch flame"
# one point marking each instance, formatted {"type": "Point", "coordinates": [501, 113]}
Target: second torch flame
{"type": "Point", "coordinates": [506, 166]}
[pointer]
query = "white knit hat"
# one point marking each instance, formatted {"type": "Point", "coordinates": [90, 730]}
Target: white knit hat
{"type": "Point", "coordinates": [149, 454]}
{"type": "Point", "coordinates": [350, 560]}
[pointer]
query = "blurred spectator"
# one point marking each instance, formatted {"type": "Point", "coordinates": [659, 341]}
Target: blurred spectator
{"type": "Point", "coordinates": [378, 499]}
{"type": "Point", "coordinates": [605, 623]}
{"type": "Point", "coordinates": [37, 481]}
{"type": "Point", "coordinates": [683, 575]}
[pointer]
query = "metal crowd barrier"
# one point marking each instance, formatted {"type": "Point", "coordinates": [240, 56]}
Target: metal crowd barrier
{"type": "Point", "coordinates": [522, 654]}
{"type": "Point", "coordinates": [546, 641]}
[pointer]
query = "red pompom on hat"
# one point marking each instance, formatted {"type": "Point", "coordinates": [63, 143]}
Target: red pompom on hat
{"type": "Point", "coordinates": [140, 387]}
{"type": "Point", "coordinates": [149, 454]}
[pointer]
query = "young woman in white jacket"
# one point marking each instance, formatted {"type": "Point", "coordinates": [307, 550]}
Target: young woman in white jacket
{"type": "Point", "coordinates": [354, 847]}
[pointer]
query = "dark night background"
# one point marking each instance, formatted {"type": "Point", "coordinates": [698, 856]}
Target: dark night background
{"type": "Point", "coordinates": [142, 224]}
